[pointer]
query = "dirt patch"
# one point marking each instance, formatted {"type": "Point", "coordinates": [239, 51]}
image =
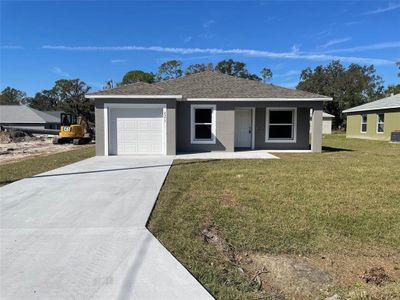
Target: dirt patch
{"type": "Point", "coordinates": [347, 269]}
{"type": "Point", "coordinates": [227, 199]}
{"type": "Point", "coordinates": [290, 276]}
{"type": "Point", "coordinates": [213, 236]}
{"type": "Point", "coordinates": [15, 146]}
{"type": "Point", "coordinates": [376, 276]}
{"type": "Point", "coordinates": [311, 277]}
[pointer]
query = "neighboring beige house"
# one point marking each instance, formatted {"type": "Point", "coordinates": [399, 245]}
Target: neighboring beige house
{"type": "Point", "coordinates": [326, 123]}
{"type": "Point", "coordinates": [375, 120]}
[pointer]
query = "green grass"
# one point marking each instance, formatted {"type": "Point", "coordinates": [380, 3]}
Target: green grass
{"type": "Point", "coordinates": [11, 172]}
{"type": "Point", "coordinates": [344, 202]}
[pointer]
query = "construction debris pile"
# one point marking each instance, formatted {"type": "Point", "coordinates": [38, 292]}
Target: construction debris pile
{"type": "Point", "coordinates": [16, 145]}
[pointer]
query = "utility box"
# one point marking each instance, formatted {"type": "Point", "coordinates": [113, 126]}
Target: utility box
{"type": "Point", "coordinates": [395, 137]}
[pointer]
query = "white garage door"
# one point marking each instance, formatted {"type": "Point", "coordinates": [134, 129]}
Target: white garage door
{"type": "Point", "coordinates": [136, 131]}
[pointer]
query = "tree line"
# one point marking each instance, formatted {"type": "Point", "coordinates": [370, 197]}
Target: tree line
{"type": "Point", "coordinates": [348, 86]}
{"type": "Point", "coordinates": [173, 69]}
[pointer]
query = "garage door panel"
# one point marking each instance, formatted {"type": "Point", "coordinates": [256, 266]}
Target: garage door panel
{"type": "Point", "coordinates": [136, 131]}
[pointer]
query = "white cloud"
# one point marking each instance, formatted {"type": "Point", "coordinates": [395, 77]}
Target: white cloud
{"type": "Point", "coordinates": [376, 46]}
{"type": "Point", "coordinates": [10, 47]}
{"type": "Point", "coordinates": [335, 42]}
{"type": "Point", "coordinates": [391, 6]}
{"type": "Point", "coordinates": [116, 61]}
{"type": "Point", "coordinates": [187, 39]}
{"type": "Point", "coordinates": [58, 71]}
{"type": "Point", "coordinates": [208, 23]}
{"type": "Point", "coordinates": [294, 54]}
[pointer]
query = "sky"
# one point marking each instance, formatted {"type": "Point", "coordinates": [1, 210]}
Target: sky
{"type": "Point", "coordinates": [43, 41]}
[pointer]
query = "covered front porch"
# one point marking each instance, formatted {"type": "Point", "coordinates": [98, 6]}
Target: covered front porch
{"type": "Point", "coordinates": [285, 128]}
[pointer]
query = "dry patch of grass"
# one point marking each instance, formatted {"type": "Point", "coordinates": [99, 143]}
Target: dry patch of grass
{"type": "Point", "coordinates": [342, 204]}
{"type": "Point", "coordinates": [14, 171]}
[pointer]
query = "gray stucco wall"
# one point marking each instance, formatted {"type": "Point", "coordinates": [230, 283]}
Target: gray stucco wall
{"type": "Point", "coordinates": [171, 129]}
{"type": "Point", "coordinates": [179, 127]}
{"type": "Point", "coordinates": [225, 124]}
{"type": "Point", "coordinates": [225, 121]}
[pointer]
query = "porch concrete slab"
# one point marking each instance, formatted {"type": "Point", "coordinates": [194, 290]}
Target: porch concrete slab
{"type": "Point", "coordinates": [289, 151]}
{"type": "Point", "coordinates": [78, 232]}
{"type": "Point", "coordinates": [252, 154]}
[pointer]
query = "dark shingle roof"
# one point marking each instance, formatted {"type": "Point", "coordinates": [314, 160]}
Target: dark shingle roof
{"type": "Point", "coordinates": [209, 84]}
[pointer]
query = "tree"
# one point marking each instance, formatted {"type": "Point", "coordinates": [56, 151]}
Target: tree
{"type": "Point", "coordinates": [109, 84]}
{"type": "Point", "coordinates": [11, 96]}
{"type": "Point", "coordinates": [398, 65]}
{"type": "Point", "coordinates": [137, 75]}
{"type": "Point", "coordinates": [44, 100]}
{"type": "Point", "coordinates": [266, 74]}
{"type": "Point", "coordinates": [197, 68]}
{"type": "Point", "coordinates": [169, 70]}
{"type": "Point", "coordinates": [392, 90]}
{"type": "Point", "coordinates": [235, 68]}
{"type": "Point", "coordinates": [71, 97]}
{"type": "Point", "coordinates": [348, 87]}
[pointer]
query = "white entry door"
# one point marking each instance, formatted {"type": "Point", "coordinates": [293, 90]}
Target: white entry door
{"type": "Point", "coordinates": [136, 131]}
{"type": "Point", "coordinates": [243, 127]}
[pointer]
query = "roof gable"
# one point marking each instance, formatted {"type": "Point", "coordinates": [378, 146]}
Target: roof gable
{"type": "Point", "coordinates": [209, 84]}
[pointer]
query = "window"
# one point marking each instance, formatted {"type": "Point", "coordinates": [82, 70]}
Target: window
{"type": "Point", "coordinates": [363, 123]}
{"type": "Point", "coordinates": [281, 125]}
{"type": "Point", "coordinates": [380, 123]}
{"type": "Point", "coordinates": [203, 124]}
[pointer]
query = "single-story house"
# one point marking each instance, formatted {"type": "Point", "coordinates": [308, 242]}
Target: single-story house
{"type": "Point", "coordinates": [374, 120]}
{"type": "Point", "coordinates": [202, 112]}
{"type": "Point", "coordinates": [26, 117]}
{"type": "Point", "coordinates": [326, 122]}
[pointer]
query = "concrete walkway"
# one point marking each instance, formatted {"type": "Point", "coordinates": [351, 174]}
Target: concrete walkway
{"type": "Point", "coordinates": [78, 232]}
{"type": "Point", "coordinates": [251, 154]}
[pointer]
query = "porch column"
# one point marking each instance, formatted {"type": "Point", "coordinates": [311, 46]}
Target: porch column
{"type": "Point", "coordinates": [316, 130]}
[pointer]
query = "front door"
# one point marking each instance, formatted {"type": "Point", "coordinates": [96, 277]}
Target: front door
{"type": "Point", "coordinates": [243, 127]}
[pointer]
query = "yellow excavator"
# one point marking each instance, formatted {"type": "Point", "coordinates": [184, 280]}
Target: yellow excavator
{"type": "Point", "coordinates": [71, 131]}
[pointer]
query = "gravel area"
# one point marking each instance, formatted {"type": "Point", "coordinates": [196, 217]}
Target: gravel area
{"type": "Point", "coordinates": [28, 146]}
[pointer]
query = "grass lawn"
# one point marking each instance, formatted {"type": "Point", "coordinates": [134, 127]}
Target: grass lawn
{"type": "Point", "coordinates": [304, 226]}
{"type": "Point", "coordinates": [11, 172]}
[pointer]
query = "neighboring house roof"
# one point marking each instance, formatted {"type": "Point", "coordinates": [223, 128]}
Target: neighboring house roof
{"type": "Point", "coordinates": [324, 115]}
{"type": "Point", "coordinates": [54, 113]}
{"type": "Point", "coordinates": [385, 103]}
{"type": "Point", "coordinates": [20, 114]}
{"type": "Point", "coordinates": [210, 85]}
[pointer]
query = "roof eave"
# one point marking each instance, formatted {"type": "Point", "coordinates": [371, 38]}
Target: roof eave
{"type": "Point", "coordinates": [369, 109]}
{"type": "Point", "coordinates": [133, 96]}
{"type": "Point", "coordinates": [258, 99]}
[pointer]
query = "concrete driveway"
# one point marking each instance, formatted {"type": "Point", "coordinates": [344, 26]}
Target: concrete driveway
{"type": "Point", "coordinates": [78, 232]}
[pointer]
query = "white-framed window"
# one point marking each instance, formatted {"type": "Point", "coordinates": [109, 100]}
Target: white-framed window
{"type": "Point", "coordinates": [364, 123]}
{"type": "Point", "coordinates": [203, 124]}
{"type": "Point", "coordinates": [380, 123]}
{"type": "Point", "coordinates": [281, 125]}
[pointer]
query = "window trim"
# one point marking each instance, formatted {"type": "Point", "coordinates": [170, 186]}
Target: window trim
{"type": "Point", "coordinates": [193, 108]}
{"type": "Point", "coordinates": [294, 125]}
{"type": "Point", "coordinates": [377, 123]}
{"type": "Point", "coordinates": [362, 123]}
